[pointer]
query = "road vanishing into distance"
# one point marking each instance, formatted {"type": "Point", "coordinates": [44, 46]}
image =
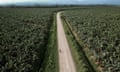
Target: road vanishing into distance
{"type": "Point", "coordinates": [66, 62]}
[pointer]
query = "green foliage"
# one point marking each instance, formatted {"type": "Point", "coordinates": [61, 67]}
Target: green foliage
{"type": "Point", "coordinates": [24, 34]}
{"type": "Point", "coordinates": [76, 50]}
{"type": "Point", "coordinates": [99, 28]}
{"type": "Point", "coordinates": [51, 57]}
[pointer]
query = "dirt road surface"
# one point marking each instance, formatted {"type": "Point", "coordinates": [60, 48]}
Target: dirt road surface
{"type": "Point", "coordinates": [66, 63]}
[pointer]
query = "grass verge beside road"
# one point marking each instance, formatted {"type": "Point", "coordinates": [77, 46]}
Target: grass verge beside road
{"type": "Point", "coordinates": [81, 60]}
{"type": "Point", "coordinates": [51, 58]}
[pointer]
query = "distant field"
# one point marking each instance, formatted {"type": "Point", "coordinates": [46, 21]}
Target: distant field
{"type": "Point", "coordinates": [99, 30]}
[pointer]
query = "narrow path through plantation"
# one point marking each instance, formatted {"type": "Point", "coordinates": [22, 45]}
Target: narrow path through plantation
{"type": "Point", "coordinates": [66, 63]}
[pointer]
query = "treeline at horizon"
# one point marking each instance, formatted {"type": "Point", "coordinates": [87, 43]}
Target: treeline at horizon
{"type": "Point", "coordinates": [55, 6]}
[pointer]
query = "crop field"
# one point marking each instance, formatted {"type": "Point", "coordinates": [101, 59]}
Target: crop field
{"type": "Point", "coordinates": [80, 38]}
{"type": "Point", "coordinates": [99, 30]}
{"type": "Point", "coordinates": [24, 34]}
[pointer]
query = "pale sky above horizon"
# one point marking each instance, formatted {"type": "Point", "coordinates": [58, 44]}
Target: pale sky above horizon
{"type": "Point", "coordinates": [2, 2]}
{"type": "Point", "coordinates": [14, 1]}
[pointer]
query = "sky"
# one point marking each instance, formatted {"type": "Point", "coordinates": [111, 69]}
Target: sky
{"type": "Point", "coordinates": [28, 2]}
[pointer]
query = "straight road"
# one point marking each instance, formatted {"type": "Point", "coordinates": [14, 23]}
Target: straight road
{"type": "Point", "coordinates": [66, 63]}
